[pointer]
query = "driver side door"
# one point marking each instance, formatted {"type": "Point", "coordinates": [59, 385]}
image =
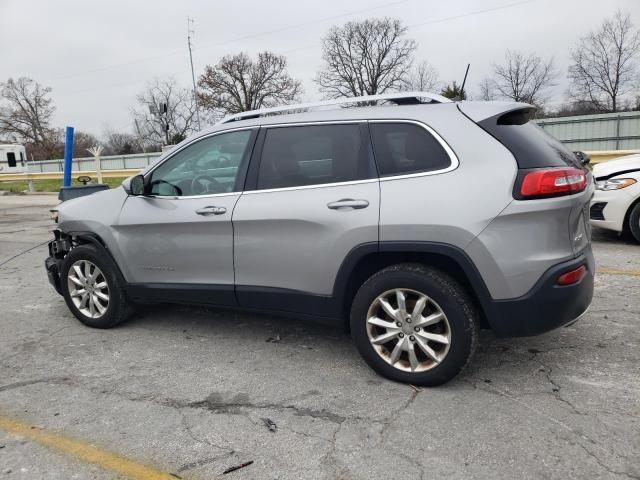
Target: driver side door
{"type": "Point", "coordinates": [178, 238]}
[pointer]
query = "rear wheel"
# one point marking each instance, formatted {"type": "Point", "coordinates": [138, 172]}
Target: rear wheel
{"type": "Point", "coordinates": [414, 324]}
{"type": "Point", "coordinates": [634, 222]}
{"type": "Point", "coordinates": [92, 289]}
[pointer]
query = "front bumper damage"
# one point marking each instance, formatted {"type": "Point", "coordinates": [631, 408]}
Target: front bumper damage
{"type": "Point", "coordinates": [58, 249]}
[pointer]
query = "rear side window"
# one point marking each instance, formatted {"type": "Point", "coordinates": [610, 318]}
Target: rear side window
{"type": "Point", "coordinates": [530, 145]}
{"type": "Point", "coordinates": [11, 158]}
{"type": "Point", "coordinates": [312, 155]}
{"type": "Point", "coordinates": [404, 148]}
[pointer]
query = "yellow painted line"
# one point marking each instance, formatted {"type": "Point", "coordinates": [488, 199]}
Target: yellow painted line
{"type": "Point", "coordinates": [84, 452]}
{"type": "Point", "coordinates": [613, 271]}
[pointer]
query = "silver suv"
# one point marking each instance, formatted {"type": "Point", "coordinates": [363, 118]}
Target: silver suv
{"type": "Point", "coordinates": [411, 219]}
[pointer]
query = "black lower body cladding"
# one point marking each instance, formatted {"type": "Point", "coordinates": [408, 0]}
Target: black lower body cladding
{"type": "Point", "coordinates": [547, 305]}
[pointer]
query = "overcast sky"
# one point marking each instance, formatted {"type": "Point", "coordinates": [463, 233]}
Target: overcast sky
{"type": "Point", "coordinates": [97, 55]}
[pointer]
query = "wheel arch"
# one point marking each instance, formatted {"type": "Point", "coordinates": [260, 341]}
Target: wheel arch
{"type": "Point", "coordinates": [92, 238]}
{"type": "Point", "coordinates": [367, 259]}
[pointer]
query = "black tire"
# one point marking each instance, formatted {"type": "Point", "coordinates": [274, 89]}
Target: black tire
{"type": "Point", "coordinates": [452, 299]}
{"type": "Point", "coordinates": [118, 309]}
{"type": "Point", "coordinates": [634, 222]}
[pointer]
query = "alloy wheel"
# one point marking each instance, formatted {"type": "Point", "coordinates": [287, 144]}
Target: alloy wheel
{"type": "Point", "coordinates": [408, 330]}
{"type": "Point", "coordinates": [88, 288]}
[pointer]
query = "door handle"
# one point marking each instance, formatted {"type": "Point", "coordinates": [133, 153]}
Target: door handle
{"type": "Point", "coordinates": [211, 210]}
{"type": "Point", "coordinates": [348, 203]}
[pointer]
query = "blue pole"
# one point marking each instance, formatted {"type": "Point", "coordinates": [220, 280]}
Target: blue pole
{"type": "Point", "coordinates": [68, 156]}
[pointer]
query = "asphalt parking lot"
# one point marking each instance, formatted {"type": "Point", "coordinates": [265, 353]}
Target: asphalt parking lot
{"type": "Point", "coordinates": [192, 392]}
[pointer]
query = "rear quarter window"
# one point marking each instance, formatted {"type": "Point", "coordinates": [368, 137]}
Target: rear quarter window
{"type": "Point", "coordinates": [531, 146]}
{"type": "Point", "coordinates": [405, 148]}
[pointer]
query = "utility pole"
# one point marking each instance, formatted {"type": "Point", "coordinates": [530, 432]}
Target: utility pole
{"type": "Point", "coordinates": [140, 139]}
{"type": "Point", "coordinates": [190, 31]}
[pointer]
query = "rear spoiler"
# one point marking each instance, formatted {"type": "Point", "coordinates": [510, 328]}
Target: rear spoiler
{"type": "Point", "coordinates": [479, 111]}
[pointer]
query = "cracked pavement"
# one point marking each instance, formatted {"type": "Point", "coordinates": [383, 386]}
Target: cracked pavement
{"type": "Point", "coordinates": [195, 391]}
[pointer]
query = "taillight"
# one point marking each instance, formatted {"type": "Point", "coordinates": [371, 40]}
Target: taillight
{"type": "Point", "coordinates": [574, 276]}
{"type": "Point", "coordinates": [549, 182]}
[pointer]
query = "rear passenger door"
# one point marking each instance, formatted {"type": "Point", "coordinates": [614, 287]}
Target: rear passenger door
{"type": "Point", "coordinates": [421, 200]}
{"type": "Point", "coordinates": [312, 195]}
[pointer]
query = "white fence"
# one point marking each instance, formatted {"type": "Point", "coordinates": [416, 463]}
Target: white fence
{"type": "Point", "coordinates": [112, 162]}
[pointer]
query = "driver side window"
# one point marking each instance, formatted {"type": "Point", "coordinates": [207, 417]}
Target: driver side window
{"type": "Point", "coordinates": [206, 167]}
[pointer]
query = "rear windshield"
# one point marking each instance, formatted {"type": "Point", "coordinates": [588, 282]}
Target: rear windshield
{"type": "Point", "coordinates": [531, 146]}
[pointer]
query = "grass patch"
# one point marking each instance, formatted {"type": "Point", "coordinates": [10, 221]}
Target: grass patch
{"type": "Point", "coordinates": [50, 185]}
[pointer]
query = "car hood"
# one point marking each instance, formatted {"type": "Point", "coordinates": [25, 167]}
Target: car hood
{"type": "Point", "coordinates": [619, 165]}
{"type": "Point", "coordinates": [101, 206]}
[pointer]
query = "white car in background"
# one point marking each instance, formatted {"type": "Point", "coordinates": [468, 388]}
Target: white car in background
{"type": "Point", "coordinates": [616, 203]}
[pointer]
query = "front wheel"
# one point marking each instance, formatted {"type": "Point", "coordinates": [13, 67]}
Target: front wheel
{"type": "Point", "coordinates": [414, 324]}
{"type": "Point", "coordinates": [92, 289]}
{"type": "Point", "coordinates": [634, 222]}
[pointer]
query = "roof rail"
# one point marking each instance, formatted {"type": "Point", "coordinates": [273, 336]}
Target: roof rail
{"type": "Point", "coordinates": [399, 98]}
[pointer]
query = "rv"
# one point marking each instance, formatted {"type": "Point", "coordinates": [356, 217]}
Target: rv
{"type": "Point", "coordinates": [13, 159]}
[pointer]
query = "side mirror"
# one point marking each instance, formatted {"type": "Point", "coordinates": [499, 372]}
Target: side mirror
{"type": "Point", "coordinates": [136, 185]}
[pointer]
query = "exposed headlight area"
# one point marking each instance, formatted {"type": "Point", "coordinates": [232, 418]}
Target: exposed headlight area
{"type": "Point", "coordinates": [615, 183]}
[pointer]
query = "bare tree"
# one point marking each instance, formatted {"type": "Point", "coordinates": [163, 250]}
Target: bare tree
{"type": "Point", "coordinates": [605, 63]}
{"type": "Point", "coordinates": [423, 78]}
{"type": "Point", "coordinates": [120, 143]}
{"type": "Point", "coordinates": [26, 109]}
{"type": "Point", "coordinates": [156, 127]}
{"type": "Point", "coordinates": [82, 141]}
{"type": "Point", "coordinates": [523, 78]}
{"type": "Point", "coordinates": [238, 83]}
{"type": "Point", "coordinates": [365, 58]}
{"type": "Point", "coordinates": [487, 91]}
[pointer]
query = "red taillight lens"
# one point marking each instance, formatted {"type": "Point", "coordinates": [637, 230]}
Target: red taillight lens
{"type": "Point", "coordinates": [574, 276]}
{"type": "Point", "coordinates": [551, 182]}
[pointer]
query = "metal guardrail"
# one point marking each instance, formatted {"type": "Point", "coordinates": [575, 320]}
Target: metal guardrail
{"type": "Point", "coordinates": [27, 177]}
{"type": "Point", "coordinates": [604, 155]}
{"type": "Point", "coordinates": [111, 162]}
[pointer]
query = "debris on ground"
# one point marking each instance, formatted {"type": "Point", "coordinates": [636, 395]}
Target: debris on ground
{"type": "Point", "coordinates": [270, 424]}
{"type": "Point", "coordinates": [275, 339]}
{"type": "Point", "coordinates": [237, 467]}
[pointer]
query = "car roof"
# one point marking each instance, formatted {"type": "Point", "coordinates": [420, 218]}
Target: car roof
{"type": "Point", "coordinates": [478, 111]}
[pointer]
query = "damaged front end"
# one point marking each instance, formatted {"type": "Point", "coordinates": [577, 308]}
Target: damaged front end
{"type": "Point", "coordinates": [58, 249]}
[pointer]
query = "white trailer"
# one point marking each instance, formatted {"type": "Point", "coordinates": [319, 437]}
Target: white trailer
{"type": "Point", "coordinates": [13, 159]}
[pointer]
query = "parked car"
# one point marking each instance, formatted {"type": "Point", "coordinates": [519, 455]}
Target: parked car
{"type": "Point", "coordinates": [616, 202]}
{"type": "Point", "coordinates": [414, 223]}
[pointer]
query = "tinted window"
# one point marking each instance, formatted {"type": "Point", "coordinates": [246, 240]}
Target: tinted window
{"type": "Point", "coordinates": [11, 158]}
{"type": "Point", "coordinates": [531, 146]}
{"type": "Point", "coordinates": [309, 155]}
{"type": "Point", "coordinates": [206, 167]}
{"type": "Point", "coordinates": [403, 148]}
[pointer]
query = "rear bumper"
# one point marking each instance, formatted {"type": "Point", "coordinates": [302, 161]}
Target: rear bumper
{"type": "Point", "coordinates": [547, 305]}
